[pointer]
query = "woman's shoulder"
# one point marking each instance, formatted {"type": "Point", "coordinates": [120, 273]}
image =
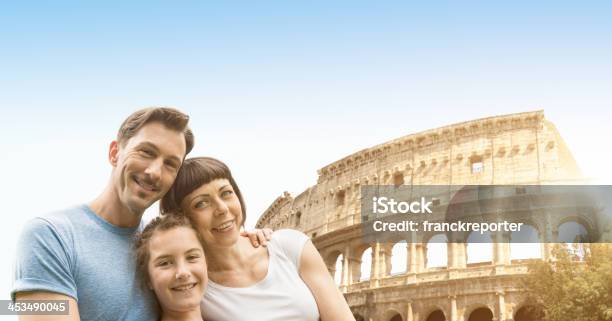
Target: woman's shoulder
{"type": "Point", "coordinates": [289, 235]}
{"type": "Point", "coordinates": [290, 242]}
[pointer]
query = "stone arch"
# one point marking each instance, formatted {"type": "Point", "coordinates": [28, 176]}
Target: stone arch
{"type": "Point", "coordinates": [436, 255]}
{"type": "Point", "coordinates": [573, 233]}
{"type": "Point", "coordinates": [331, 261]}
{"type": "Point", "coordinates": [479, 248]}
{"type": "Point", "coordinates": [525, 244]}
{"type": "Point", "coordinates": [528, 312]}
{"type": "Point", "coordinates": [392, 315]}
{"type": "Point", "coordinates": [356, 251]}
{"type": "Point", "coordinates": [435, 314]}
{"type": "Point", "coordinates": [297, 219]}
{"type": "Point", "coordinates": [572, 227]}
{"type": "Point", "coordinates": [365, 268]}
{"type": "Point", "coordinates": [358, 317]}
{"type": "Point", "coordinates": [399, 258]}
{"type": "Point", "coordinates": [481, 313]}
{"type": "Point", "coordinates": [338, 270]}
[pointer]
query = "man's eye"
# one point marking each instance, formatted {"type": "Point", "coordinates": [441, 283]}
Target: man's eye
{"type": "Point", "coordinates": [147, 153]}
{"type": "Point", "coordinates": [172, 165]}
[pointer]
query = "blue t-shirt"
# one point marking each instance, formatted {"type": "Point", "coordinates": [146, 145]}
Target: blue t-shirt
{"type": "Point", "coordinates": [77, 253]}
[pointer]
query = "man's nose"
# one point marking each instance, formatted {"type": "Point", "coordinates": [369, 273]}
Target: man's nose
{"type": "Point", "coordinates": [154, 170]}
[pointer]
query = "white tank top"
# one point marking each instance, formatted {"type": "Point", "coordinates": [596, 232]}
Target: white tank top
{"type": "Point", "coordinates": [280, 296]}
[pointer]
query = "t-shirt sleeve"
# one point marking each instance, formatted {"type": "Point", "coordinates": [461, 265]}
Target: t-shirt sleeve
{"type": "Point", "coordinates": [291, 242]}
{"type": "Point", "coordinates": [43, 260]}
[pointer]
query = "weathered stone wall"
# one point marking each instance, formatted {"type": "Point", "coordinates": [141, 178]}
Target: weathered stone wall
{"type": "Point", "coordinates": [521, 148]}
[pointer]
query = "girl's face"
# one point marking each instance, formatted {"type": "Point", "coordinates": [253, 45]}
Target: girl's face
{"type": "Point", "coordinates": [177, 269]}
{"type": "Point", "coordinates": [216, 211]}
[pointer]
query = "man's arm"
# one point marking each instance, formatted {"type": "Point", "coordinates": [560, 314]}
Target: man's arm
{"type": "Point", "coordinates": [258, 236]}
{"type": "Point", "coordinates": [42, 270]}
{"type": "Point", "coordinates": [73, 308]}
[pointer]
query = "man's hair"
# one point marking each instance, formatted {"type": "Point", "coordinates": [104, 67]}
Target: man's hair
{"type": "Point", "coordinates": [169, 117]}
{"type": "Point", "coordinates": [141, 244]}
{"type": "Point", "coordinates": [194, 173]}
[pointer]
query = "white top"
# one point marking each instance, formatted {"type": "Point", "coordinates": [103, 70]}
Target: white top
{"type": "Point", "coordinates": [281, 295]}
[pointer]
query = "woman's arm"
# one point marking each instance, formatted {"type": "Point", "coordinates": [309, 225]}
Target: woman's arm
{"type": "Point", "coordinates": [331, 303]}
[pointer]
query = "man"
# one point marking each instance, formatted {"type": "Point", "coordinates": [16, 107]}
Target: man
{"type": "Point", "coordinates": [84, 254]}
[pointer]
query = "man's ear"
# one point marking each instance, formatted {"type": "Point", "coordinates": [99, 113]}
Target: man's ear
{"type": "Point", "coordinates": [113, 153]}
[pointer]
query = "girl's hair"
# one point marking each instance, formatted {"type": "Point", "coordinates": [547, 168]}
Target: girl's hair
{"type": "Point", "coordinates": [194, 173]}
{"type": "Point", "coordinates": [141, 244]}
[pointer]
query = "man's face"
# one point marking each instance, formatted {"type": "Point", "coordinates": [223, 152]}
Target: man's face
{"type": "Point", "coordinates": [146, 166]}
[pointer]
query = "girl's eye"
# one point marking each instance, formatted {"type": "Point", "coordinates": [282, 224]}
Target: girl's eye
{"type": "Point", "coordinates": [201, 204]}
{"type": "Point", "coordinates": [163, 263]}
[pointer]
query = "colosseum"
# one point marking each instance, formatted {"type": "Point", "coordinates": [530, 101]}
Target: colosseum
{"type": "Point", "coordinates": [402, 281]}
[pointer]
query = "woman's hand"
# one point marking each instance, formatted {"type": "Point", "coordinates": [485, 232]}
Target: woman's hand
{"type": "Point", "coordinates": [258, 236]}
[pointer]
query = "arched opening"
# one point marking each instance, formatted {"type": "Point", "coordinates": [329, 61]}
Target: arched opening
{"type": "Point", "coordinates": [338, 270]}
{"type": "Point", "coordinates": [437, 315]}
{"type": "Point", "coordinates": [481, 314]}
{"type": "Point", "coordinates": [529, 313]}
{"type": "Point", "coordinates": [298, 217]}
{"type": "Point", "coordinates": [573, 234]}
{"type": "Point", "coordinates": [479, 248]}
{"type": "Point", "coordinates": [437, 251]}
{"type": "Point", "coordinates": [525, 244]}
{"type": "Point", "coordinates": [366, 264]}
{"type": "Point", "coordinates": [396, 317]}
{"type": "Point", "coordinates": [398, 179]}
{"type": "Point", "coordinates": [399, 254]}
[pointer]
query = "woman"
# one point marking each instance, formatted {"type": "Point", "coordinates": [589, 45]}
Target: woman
{"type": "Point", "coordinates": [288, 280]}
{"type": "Point", "coordinates": [170, 259]}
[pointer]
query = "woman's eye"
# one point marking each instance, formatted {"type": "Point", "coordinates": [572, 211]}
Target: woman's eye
{"type": "Point", "coordinates": [192, 258]}
{"type": "Point", "coordinates": [227, 193]}
{"type": "Point", "coordinates": [163, 263]}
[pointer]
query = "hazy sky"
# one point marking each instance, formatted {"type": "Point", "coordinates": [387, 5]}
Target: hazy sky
{"type": "Point", "coordinates": [280, 89]}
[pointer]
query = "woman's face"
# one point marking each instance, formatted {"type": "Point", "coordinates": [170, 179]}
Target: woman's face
{"type": "Point", "coordinates": [177, 269]}
{"type": "Point", "coordinates": [216, 211]}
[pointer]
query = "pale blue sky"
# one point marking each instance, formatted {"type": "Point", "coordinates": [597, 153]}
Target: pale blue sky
{"type": "Point", "coordinates": [279, 89]}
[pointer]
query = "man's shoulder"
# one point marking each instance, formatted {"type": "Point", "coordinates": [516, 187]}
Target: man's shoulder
{"type": "Point", "coordinates": [61, 221]}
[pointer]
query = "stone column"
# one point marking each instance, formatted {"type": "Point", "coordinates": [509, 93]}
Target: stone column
{"type": "Point", "coordinates": [375, 269]}
{"type": "Point", "coordinates": [453, 312]}
{"type": "Point", "coordinates": [409, 316]}
{"type": "Point", "coordinates": [382, 261]}
{"type": "Point", "coordinates": [501, 313]}
{"type": "Point", "coordinates": [346, 270]}
{"type": "Point", "coordinates": [456, 255]}
{"type": "Point", "coordinates": [412, 258]}
{"type": "Point", "coordinates": [501, 249]}
{"type": "Point", "coordinates": [388, 258]}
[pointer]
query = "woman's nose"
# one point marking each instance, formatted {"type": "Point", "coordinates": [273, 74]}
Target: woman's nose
{"type": "Point", "coordinates": [221, 208]}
